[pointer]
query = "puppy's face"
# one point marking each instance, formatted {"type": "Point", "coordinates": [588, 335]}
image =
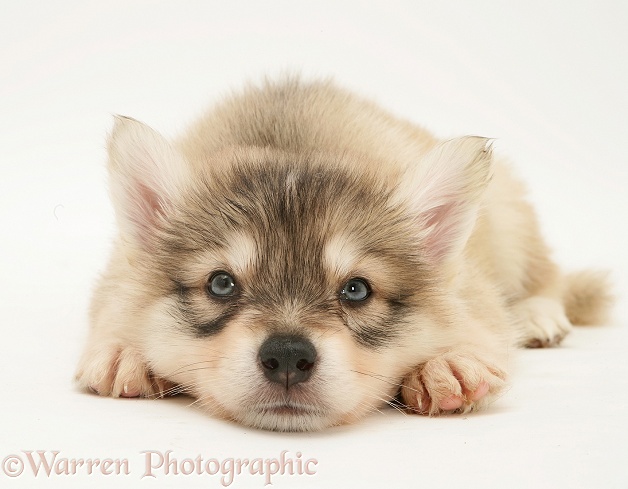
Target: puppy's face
{"type": "Point", "coordinates": [286, 292]}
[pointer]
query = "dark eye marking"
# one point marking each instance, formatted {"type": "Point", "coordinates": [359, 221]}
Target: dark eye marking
{"type": "Point", "coordinates": [214, 326]}
{"type": "Point", "coordinates": [190, 320]}
{"type": "Point", "coordinates": [355, 290]}
{"type": "Point", "coordinates": [378, 330]}
{"type": "Point", "coordinates": [221, 285]}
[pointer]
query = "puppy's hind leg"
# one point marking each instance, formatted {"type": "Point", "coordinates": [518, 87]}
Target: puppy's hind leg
{"type": "Point", "coordinates": [540, 321]}
{"type": "Point", "coordinates": [580, 298]}
{"type": "Point", "coordinates": [536, 304]}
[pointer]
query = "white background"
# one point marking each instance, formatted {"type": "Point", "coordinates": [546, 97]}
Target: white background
{"type": "Point", "coordinates": [549, 80]}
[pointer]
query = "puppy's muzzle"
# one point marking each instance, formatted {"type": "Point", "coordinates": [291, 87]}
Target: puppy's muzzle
{"type": "Point", "coordinates": [287, 359]}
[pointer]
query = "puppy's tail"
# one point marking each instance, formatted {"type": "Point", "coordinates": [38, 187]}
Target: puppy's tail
{"type": "Point", "coordinates": [587, 297]}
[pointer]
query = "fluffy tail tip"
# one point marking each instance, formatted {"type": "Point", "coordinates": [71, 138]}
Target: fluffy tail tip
{"type": "Point", "coordinates": [587, 297]}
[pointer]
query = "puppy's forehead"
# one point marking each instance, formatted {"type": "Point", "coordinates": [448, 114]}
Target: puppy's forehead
{"type": "Point", "coordinates": [293, 221]}
{"type": "Point", "coordinates": [237, 254]}
{"type": "Point", "coordinates": [341, 253]}
{"type": "Point", "coordinates": [241, 251]}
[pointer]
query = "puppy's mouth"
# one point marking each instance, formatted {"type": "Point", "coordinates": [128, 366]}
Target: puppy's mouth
{"type": "Point", "coordinates": [290, 409]}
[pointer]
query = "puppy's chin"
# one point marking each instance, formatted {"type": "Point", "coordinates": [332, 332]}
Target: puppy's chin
{"type": "Point", "coordinates": [286, 417]}
{"type": "Point", "coordinates": [290, 415]}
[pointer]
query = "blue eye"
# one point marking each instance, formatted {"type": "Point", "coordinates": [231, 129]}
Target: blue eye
{"type": "Point", "coordinates": [221, 284]}
{"type": "Point", "coordinates": [355, 289]}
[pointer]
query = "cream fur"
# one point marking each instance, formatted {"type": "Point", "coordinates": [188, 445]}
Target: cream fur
{"type": "Point", "coordinates": [450, 248]}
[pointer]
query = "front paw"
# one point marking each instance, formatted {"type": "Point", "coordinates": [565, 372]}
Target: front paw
{"type": "Point", "coordinates": [117, 371]}
{"type": "Point", "coordinates": [452, 382]}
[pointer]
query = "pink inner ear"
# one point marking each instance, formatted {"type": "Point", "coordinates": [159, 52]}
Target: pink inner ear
{"type": "Point", "coordinates": [147, 206]}
{"type": "Point", "coordinates": [443, 230]}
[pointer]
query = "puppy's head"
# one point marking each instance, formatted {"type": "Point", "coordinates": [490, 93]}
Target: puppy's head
{"type": "Point", "coordinates": [290, 291]}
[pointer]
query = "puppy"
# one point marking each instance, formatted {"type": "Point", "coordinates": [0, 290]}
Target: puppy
{"type": "Point", "coordinates": [302, 257]}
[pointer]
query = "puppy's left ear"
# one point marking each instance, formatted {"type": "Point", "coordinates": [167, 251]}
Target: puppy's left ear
{"type": "Point", "coordinates": [444, 192]}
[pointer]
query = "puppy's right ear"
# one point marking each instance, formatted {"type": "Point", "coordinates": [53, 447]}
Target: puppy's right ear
{"type": "Point", "coordinates": [146, 176]}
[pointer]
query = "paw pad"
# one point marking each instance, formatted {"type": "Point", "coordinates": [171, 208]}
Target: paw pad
{"type": "Point", "coordinates": [119, 372]}
{"type": "Point", "coordinates": [451, 383]}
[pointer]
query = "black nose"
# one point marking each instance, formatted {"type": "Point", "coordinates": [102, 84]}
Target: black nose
{"type": "Point", "coordinates": [287, 359]}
